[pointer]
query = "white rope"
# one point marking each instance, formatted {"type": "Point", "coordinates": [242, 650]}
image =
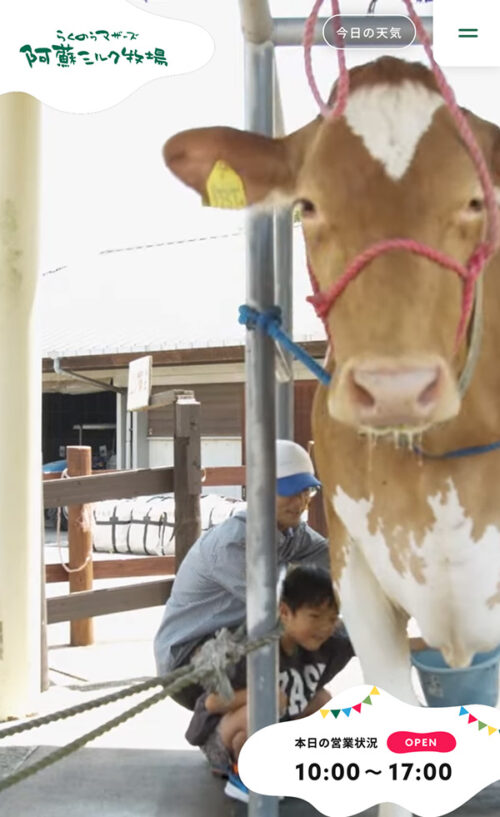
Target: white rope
{"type": "Point", "coordinates": [85, 522]}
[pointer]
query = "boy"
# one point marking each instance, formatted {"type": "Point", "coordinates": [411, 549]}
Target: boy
{"type": "Point", "coordinates": [314, 647]}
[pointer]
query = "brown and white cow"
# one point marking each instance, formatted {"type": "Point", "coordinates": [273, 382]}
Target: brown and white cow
{"type": "Point", "coordinates": [409, 537]}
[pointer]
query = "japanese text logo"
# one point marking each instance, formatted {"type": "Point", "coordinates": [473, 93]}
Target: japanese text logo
{"type": "Point", "coordinates": [86, 56]}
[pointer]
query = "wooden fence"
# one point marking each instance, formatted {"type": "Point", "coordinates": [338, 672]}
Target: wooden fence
{"type": "Point", "coordinates": [184, 480]}
{"type": "Point", "coordinates": [82, 488]}
{"type": "Point", "coordinates": [137, 596]}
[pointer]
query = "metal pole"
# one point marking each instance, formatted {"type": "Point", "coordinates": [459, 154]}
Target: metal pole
{"type": "Point", "coordinates": [140, 444]}
{"type": "Point", "coordinates": [129, 419]}
{"type": "Point", "coordinates": [283, 249]}
{"type": "Point", "coordinates": [260, 431]}
{"type": "Point", "coordinates": [284, 297]}
{"type": "Point", "coordinates": [290, 30]}
{"type": "Point", "coordinates": [20, 408]}
{"type": "Point", "coordinates": [121, 431]}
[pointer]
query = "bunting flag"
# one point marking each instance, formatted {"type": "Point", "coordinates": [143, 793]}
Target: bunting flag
{"type": "Point", "coordinates": [357, 707]}
{"type": "Point", "coordinates": [480, 724]}
{"type": "Point", "coordinates": [368, 701]}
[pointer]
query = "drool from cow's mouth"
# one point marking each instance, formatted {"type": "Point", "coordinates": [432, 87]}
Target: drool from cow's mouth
{"type": "Point", "coordinates": [401, 436]}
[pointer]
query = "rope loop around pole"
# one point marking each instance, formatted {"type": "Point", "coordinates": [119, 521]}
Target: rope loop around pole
{"type": "Point", "coordinates": [270, 322]}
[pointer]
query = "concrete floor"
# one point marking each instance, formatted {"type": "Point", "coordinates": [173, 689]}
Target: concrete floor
{"type": "Point", "coordinates": [144, 767]}
{"type": "Point", "coordinates": [151, 783]}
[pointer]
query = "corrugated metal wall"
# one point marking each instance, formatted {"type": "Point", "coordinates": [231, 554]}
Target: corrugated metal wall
{"type": "Point", "coordinates": [221, 411]}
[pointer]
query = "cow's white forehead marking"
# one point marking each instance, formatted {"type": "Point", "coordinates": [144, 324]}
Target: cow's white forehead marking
{"type": "Point", "coordinates": [391, 120]}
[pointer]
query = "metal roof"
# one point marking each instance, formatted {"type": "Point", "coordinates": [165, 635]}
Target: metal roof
{"type": "Point", "coordinates": [174, 295]}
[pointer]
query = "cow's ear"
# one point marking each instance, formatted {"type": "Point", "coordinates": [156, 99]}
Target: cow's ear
{"type": "Point", "coordinates": [267, 167]}
{"type": "Point", "coordinates": [491, 148]}
{"type": "Point", "coordinates": [488, 136]}
{"type": "Point", "coordinates": [495, 162]}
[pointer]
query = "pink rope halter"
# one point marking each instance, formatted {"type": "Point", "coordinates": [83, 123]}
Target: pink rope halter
{"type": "Point", "coordinates": [324, 301]}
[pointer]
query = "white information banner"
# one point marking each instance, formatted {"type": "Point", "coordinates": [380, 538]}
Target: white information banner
{"type": "Point", "coordinates": [140, 374]}
{"type": "Point", "coordinates": [82, 57]}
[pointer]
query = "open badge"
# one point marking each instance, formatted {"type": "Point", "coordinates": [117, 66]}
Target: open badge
{"type": "Point", "coordinates": [368, 748]}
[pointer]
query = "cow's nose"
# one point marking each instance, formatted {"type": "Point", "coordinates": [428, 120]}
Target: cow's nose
{"type": "Point", "coordinates": [392, 397]}
{"type": "Point", "coordinates": [386, 393]}
{"type": "Point", "coordinates": [406, 392]}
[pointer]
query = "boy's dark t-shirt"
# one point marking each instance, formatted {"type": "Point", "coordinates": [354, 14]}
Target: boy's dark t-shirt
{"type": "Point", "coordinates": [301, 675]}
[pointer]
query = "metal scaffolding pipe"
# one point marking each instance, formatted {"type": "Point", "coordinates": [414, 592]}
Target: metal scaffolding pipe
{"type": "Point", "coordinates": [283, 252]}
{"type": "Point", "coordinates": [283, 258]}
{"type": "Point", "coordinates": [260, 430]}
{"type": "Point", "coordinates": [290, 30]}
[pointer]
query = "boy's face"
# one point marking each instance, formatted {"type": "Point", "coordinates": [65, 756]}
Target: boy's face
{"type": "Point", "coordinates": [309, 627]}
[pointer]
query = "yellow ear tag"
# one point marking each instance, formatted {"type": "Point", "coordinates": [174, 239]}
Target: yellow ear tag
{"type": "Point", "coordinates": [225, 188]}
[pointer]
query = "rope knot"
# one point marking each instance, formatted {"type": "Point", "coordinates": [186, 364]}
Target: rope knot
{"type": "Point", "coordinates": [253, 319]}
{"type": "Point", "coordinates": [320, 304]}
{"type": "Point", "coordinates": [212, 659]}
{"type": "Point", "coordinates": [270, 323]}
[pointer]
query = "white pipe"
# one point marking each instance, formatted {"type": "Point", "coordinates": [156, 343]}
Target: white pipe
{"type": "Point", "coordinates": [20, 409]}
{"type": "Point", "coordinates": [256, 21]}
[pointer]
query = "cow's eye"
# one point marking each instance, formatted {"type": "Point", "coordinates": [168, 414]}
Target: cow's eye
{"type": "Point", "coordinates": [305, 207]}
{"type": "Point", "coordinates": [476, 205]}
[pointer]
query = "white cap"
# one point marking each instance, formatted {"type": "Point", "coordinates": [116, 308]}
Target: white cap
{"type": "Point", "coordinates": [294, 469]}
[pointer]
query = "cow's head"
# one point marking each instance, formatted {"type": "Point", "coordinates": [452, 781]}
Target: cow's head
{"type": "Point", "coordinates": [393, 166]}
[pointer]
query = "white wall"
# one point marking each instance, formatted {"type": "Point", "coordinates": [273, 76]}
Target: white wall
{"type": "Point", "coordinates": [214, 451]}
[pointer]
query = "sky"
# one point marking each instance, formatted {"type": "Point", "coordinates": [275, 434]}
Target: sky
{"type": "Point", "coordinates": [103, 181]}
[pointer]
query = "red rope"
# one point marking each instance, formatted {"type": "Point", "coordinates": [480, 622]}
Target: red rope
{"type": "Point", "coordinates": [324, 301]}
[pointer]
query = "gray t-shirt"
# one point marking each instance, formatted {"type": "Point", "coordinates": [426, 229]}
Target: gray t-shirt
{"type": "Point", "coordinates": [209, 591]}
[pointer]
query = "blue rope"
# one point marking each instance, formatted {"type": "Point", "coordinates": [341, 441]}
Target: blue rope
{"type": "Point", "coordinates": [470, 451]}
{"type": "Point", "coordinates": [270, 322]}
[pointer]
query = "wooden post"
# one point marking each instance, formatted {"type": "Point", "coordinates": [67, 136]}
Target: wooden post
{"type": "Point", "coordinates": [80, 544]}
{"type": "Point", "coordinates": [187, 475]}
{"type": "Point", "coordinates": [20, 408]}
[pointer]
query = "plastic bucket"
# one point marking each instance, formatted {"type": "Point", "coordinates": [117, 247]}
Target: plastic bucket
{"type": "Point", "coordinates": [444, 686]}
